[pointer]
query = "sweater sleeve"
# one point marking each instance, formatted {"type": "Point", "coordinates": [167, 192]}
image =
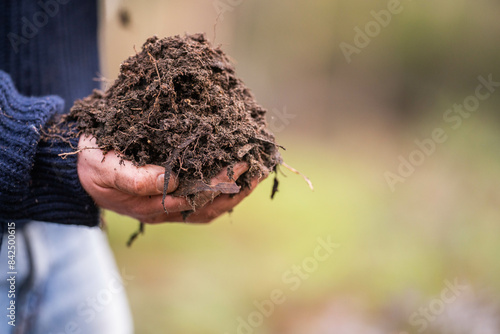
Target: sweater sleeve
{"type": "Point", "coordinates": [35, 182]}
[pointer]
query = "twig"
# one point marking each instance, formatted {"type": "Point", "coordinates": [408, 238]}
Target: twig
{"type": "Point", "coordinates": [269, 142]}
{"type": "Point", "coordinates": [293, 170]}
{"type": "Point", "coordinates": [65, 155]}
{"type": "Point", "coordinates": [8, 116]}
{"type": "Point", "coordinates": [159, 84]}
{"type": "Point", "coordinates": [215, 26]}
{"type": "Point", "coordinates": [136, 234]}
{"type": "Point", "coordinates": [166, 181]}
{"type": "Point", "coordinates": [149, 126]}
{"type": "Point", "coordinates": [275, 186]}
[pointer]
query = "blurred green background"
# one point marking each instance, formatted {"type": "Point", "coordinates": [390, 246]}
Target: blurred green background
{"type": "Point", "coordinates": [347, 123]}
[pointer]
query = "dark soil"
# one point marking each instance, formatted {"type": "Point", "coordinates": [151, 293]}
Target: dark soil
{"type": "Point", "coordinates": [179, 104]}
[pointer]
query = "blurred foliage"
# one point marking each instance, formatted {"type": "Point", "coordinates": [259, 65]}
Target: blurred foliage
{"type": "Point", "coordinates": [351, 123]}
{"type": "Point", "coordinates": [441, 224]}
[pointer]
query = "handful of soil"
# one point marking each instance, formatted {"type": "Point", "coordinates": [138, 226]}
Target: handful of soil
{"type": "Point", "coordinates": [179, 104]}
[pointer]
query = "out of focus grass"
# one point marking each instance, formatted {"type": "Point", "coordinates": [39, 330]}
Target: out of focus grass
{"type": "Point", "coordinates": [440, 224]}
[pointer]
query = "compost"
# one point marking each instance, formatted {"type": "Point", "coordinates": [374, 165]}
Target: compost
{"type": "Point", "coordinates": [179, 104]}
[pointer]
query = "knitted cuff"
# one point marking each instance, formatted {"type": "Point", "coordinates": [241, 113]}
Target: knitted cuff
{"type": "Point", "coordinates": [56, 192]}
{"type": "Point", "coordinates": [36, 183]}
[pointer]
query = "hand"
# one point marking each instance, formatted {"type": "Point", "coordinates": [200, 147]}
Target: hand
{"type": "Point", "coordinates": [137, 191]}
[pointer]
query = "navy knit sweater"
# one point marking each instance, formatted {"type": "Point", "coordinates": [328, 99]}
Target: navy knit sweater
{"type": "Point", "coordinates": [48, 49]}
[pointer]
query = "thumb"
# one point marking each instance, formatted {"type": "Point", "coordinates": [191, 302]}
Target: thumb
{"type": "Point", "coordinates": [111, 171]}
{"type": "Point", "coordinates": [142, 181]}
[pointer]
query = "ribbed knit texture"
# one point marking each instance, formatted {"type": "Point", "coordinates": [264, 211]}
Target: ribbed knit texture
{"type": "Point", "coordinates": [36, 183]}
{"type": "Point", "coordinates": [48, 47]}
{"type": "Point", "coordinates": [61, 58]}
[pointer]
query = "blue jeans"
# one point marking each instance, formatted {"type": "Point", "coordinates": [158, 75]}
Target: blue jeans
{"type": "Point", "coordinates": [64, 281]}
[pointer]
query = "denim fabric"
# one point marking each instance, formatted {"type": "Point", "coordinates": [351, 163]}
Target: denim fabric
{"type": "Point", "coordinates": [66, 281]}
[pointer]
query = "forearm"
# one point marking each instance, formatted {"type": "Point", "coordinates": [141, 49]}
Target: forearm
{"type": "Point", "coordinates": [35, 182]}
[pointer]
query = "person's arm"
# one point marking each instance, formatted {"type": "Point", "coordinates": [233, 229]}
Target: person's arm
{"type": "Point", "coordinates": [35, 182]}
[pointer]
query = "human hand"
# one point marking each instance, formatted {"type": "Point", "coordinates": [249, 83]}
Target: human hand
{"type": "Point", "coordinates": [137, 191]}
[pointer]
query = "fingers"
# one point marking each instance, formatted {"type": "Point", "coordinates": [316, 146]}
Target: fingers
{"type": "Point", "coordinates": [209, 212]}
{"type": "Point", "coordinates": [146, 208]}
{"type": "Point", "coordinates": [120, 186]}
{"type": "Point", "coordinates": [205, 197]}
{"type": "Point", "coordinates": [238, 169]}
{"type": "Point", "coordinates": [140, 181]}
{"type": "Point", "coordinates": [110, 171]}
{"type": "Point", "coordinates": [220, 205]}
{"type": "Point", "coordinates": [143, 208]}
